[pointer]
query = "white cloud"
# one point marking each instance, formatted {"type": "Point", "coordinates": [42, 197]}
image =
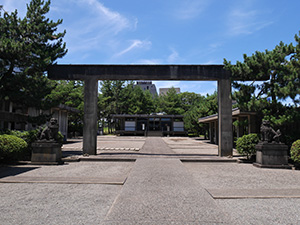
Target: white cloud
{"type": "Point", "coordinates": [92, 27]}
{"type": "Point", "coordinates": [111, 18]}
{"type": "Point", "coordinates": [245, 21]}
{"type": "Point", "coordinates": [215, 45]}
{"type": "Point", "coordinates": [150, 61]}
{"type": "Point", "coordinates": [134, 44]}
{"type": "Point", "coordinates": [210, 62]}
{"type": "Point", "coordinates": [173, 57]}
{"type": "Point", "coordinates": [191, 9]}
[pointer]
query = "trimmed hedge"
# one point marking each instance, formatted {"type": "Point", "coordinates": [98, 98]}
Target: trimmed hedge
{"type": "Point", "coordinates": [295, 151]}
{"type": "Point", "coordinates": [12, 148]}
{"type": "Point", "coordinates": [246, 145]}
{"type": "Point", "coordinates": [28, 136]}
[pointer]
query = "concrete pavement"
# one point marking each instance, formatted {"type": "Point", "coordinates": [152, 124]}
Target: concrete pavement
{"type": "Point", "coordinates": [155, 188]}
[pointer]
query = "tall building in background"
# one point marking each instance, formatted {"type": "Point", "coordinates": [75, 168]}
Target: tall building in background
{"type": "Point", "coordinates": [147, 85]}
{"type": "Point", "coordinates": [163, 91]}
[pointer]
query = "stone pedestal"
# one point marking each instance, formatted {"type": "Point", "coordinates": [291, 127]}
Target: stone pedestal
{"type": "Point", "coordinates": [46, 153]}
{"type": "Point", "coordinates": [271, 155]}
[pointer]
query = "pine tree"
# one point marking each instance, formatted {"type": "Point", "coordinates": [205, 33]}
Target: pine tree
{"type": "Point", "coordinates": [170, 103]}
{"type": "Point", "coordinates": [280, 71]}
{"type": "Point", "coordinates": [274, 67]}
{"type": "Point", "coordinates": [27, 47]}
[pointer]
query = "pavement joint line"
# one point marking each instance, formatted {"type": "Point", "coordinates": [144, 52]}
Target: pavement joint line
{"type": "Point", "coordinates": [107, 159]}
{"type": "Point", "coordinates": [132, 159]}
{"type": "Point", "coordinates": [254, 193]}
{"type": "Point", "coordinates": [193, 160]}
{"type": "Point", "coordinates": [117, 149]}
{"type": "Point", "coordinates": [64, 180]}
{"type": "Point", "coordinates": [113, 204]}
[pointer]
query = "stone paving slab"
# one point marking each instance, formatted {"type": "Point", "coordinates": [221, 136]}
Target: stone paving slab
{"type": "Point", "coordinates": [78, 170]}
{"type": "Point", "coordinates": [242, 176]}
{"type": "Point", "coordinates": [161, 191]}
{"type": "Point", "coordinates": [119, 143]}
{"type": "Point", "coordinates": [254, 193]}
{"type": "Point", "coordinates": [186, 145]}
{"type": "Point", "coordinates": [211, 152]}
{"type": "Point", "coordinates": [262, 211]}
{"type": "Point", "coordinates": [55, 204]}
{"type": "Point", "coordinates": [282, 207]}
{"type": "Point", "coordinates": [65, 180]}
{"type": "Point", "coordinates": [181, 141]}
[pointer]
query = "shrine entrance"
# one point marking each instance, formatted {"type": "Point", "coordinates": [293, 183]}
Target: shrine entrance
{"type": "Point", "coordinates": [90, 74]}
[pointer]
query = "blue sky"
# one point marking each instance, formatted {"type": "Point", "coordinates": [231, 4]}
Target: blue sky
{"type": "Point", "coordinates": [170, 31]}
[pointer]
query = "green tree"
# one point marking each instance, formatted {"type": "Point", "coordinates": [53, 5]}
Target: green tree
{"type": "Point", "coordinates": [273, 67]}
{"type": "Point", "coordinates": [111, 100]}
{"type": "Point", "coordinates": [207, 106]}
{"type": "Point", "coordinates": [170, 103]}
{"type": "Point", "coordinates": [138, 101]}
{"type": "Point", "coordinates": [189, 99]}
{"type": "Point", "coordinates": [27, 47]}
{"type": "Point", "coordinates": [280, 71]}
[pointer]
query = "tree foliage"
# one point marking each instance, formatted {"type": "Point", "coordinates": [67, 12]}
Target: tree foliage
{"type": "Point", "coordinates": [170, 103]}
{"type": "Point", "coordinates": [274, 78]}
{"type": "Point", "coordinates": [278, 69]}
{"type": "Point", "coordinates": [204, 106]}
{"type": "Point", "coordinates": [120, 97]}
{"type": "Point", "coordinates": [27, 47]}
{"type": "Point", "coordinates": [137, 101]}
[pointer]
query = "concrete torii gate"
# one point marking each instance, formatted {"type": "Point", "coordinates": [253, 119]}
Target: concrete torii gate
{"type": "Point", "coordinates": [90, 74]}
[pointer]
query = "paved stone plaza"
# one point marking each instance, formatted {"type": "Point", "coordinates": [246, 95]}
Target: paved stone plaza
{"type": "Point", "coordinates": [148, 180]}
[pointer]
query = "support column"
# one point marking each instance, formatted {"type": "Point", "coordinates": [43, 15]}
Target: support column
{"type": "Point", "coordinates": [90, 117]}
{"type": "Point", "coordinates": [225, 117]}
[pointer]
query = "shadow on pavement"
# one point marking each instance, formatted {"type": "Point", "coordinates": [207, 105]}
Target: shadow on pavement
{"type": "Point", "coordinates": [70, 153]}
{"type": "Point", "coordinates": [12, 171]}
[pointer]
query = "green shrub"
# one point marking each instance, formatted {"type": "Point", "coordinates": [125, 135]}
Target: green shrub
{"type": "Point", "coordinates": [246, 145]}
{"type": "Point", "coordinates": [12, 148]}
{"type": "Point", "coordinates": [29, 137]}
{"type": "Point", "coordinates": [295, 151]}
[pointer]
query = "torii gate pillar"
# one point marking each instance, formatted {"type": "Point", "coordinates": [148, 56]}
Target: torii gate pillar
{"type": "Point", "coordinates": [225, 117]}
{"type": "Point", "coordinates": [90, 116]}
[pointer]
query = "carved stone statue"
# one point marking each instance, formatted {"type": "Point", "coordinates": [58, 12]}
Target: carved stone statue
{"type": "Point", "coordinates": [268, 134]}
{"type": "Point", "coordinates": [50, 132]}
{"type": "Point", "coordinates": [270, 152]}
{"type": "Point", "coordinates": [47, 150]}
